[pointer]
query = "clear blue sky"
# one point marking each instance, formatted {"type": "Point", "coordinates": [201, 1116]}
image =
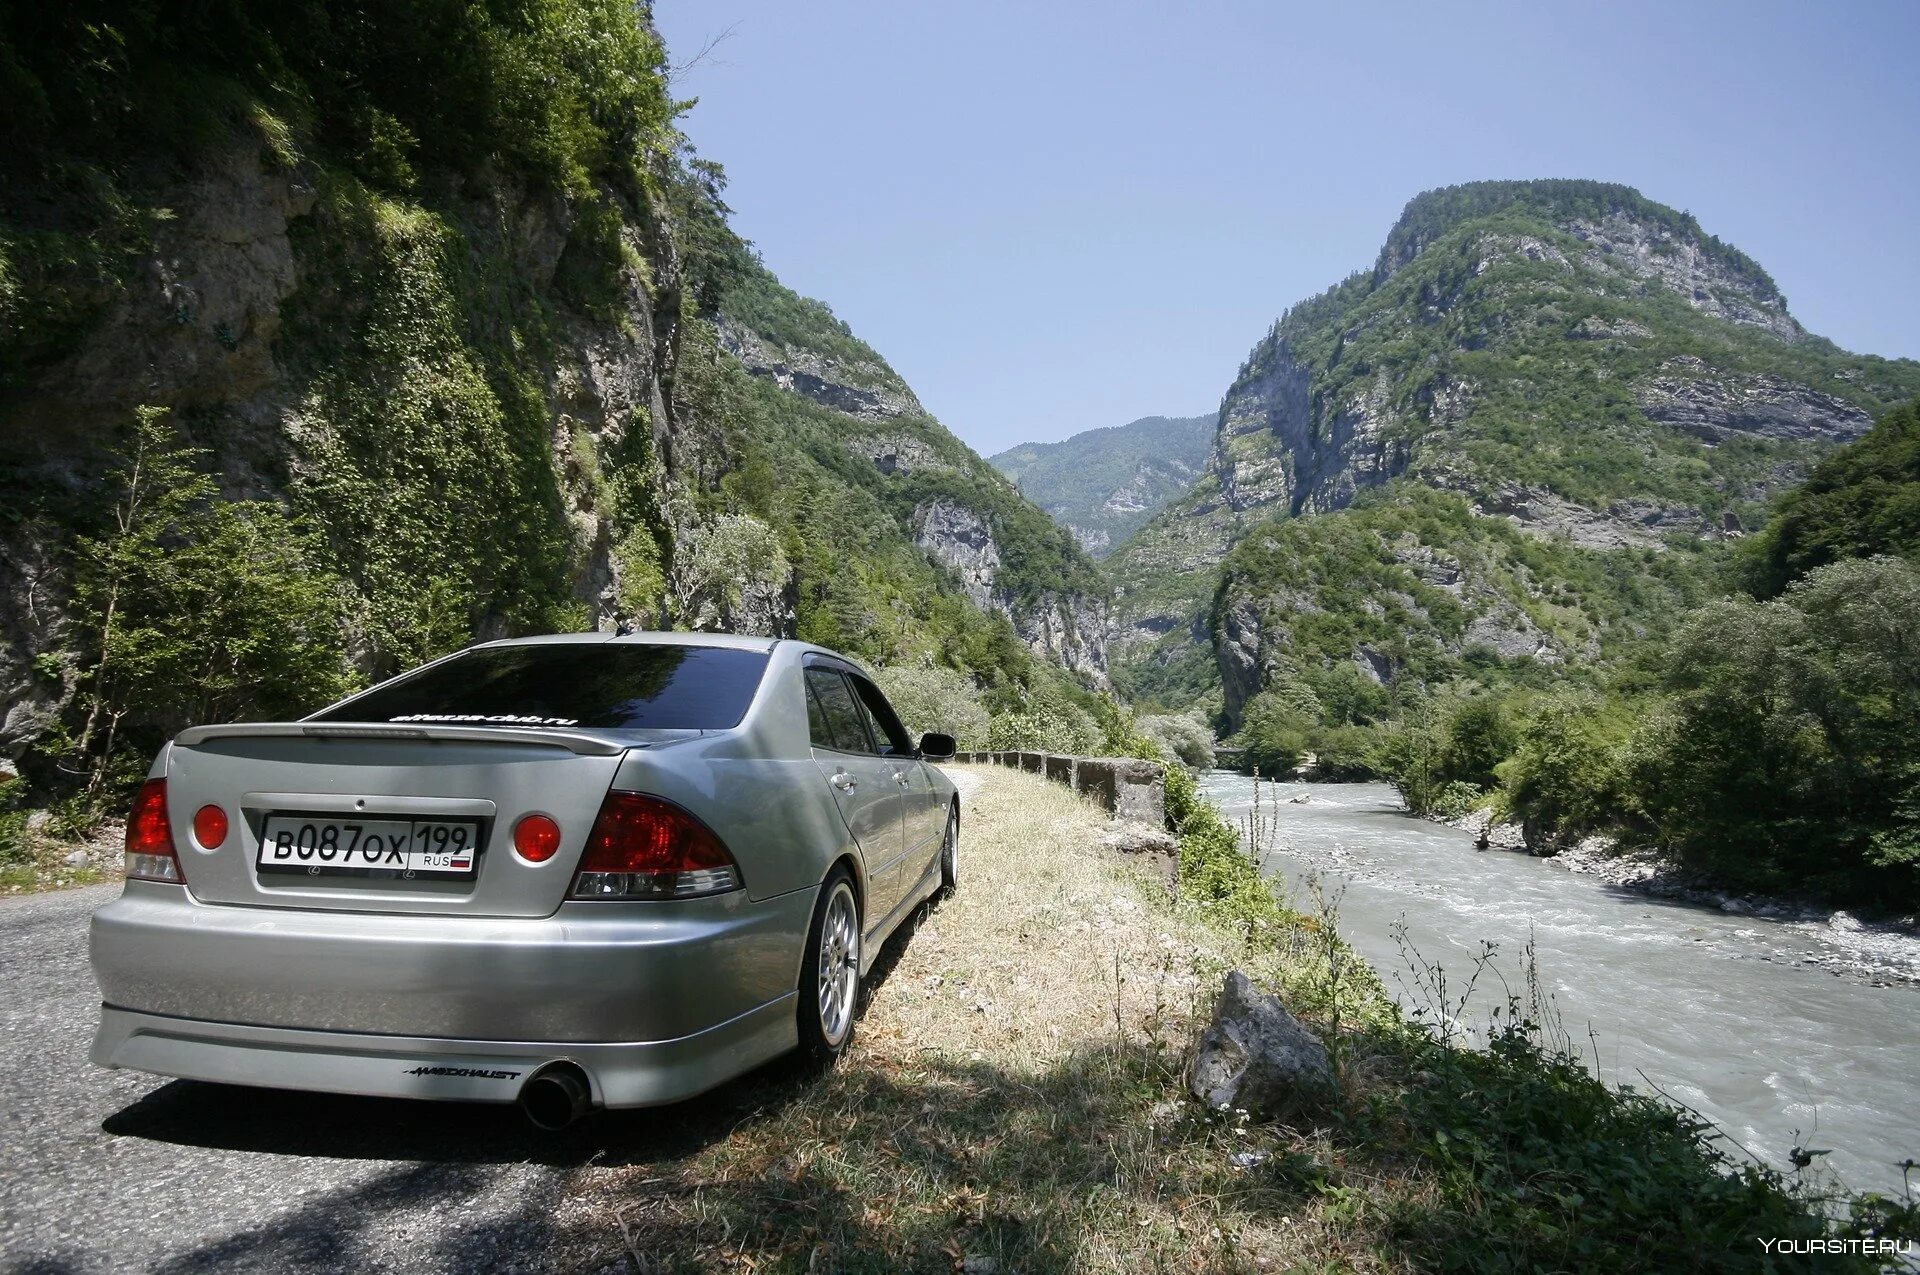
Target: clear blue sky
{"type": "Point", "coordinates": [1057, 216]}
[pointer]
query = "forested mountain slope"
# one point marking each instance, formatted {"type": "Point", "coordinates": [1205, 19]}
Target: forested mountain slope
{"type": "Point", "coordinates": [1517, 441]}
{"type": "Point", "coordinates": [1103, 484]}
{"type": "Point", "coordinates": [362, 332]}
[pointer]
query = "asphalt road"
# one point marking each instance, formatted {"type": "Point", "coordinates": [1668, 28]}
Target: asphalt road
{"type": "Point", "coordinates": [116, 1171]}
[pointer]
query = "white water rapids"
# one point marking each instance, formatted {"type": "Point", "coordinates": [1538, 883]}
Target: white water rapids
{"type": "Point", "coordinates": [1738, 1017]}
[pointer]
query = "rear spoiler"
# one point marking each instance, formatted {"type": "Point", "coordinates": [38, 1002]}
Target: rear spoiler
{"type": "Point", "coordinates": [536, 737]}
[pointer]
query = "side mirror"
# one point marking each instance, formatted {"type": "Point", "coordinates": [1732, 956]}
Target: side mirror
{"type": "Point", "coordinates": [937, 747]}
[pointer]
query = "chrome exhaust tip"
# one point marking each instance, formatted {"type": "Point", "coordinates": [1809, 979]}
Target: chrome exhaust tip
{"type": "Point", "coordinates": [556, 1096]}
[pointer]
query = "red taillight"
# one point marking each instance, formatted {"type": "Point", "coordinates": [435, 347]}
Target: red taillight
{"type": "Point", "coordinates": [642, 847]}
{"type": "Point", "coordinates": [210, 826]}
{"type": "Point", "coordinates": [150, 852]}
{"type": "Point", "coordinates": [536, 837]}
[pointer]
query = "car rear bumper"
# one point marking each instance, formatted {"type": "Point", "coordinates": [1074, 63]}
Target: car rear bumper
{"type": "Point", "coordinates": [236, 993]}
{"type": "Point", "coordinates": [621, 1074]}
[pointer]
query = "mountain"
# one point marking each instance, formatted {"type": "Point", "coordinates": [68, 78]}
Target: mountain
{"type": "Point", "coordinates": [1516, 443]}
{"type": "Point", "coordinates": [449, 315]}
{"type": "Point", "coordinates": [1104, 484]}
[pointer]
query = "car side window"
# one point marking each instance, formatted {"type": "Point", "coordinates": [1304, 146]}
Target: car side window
{"type": "Point", "coordinates": [833, 718]}
{"type": "Point", "coordinates": [887, 730]}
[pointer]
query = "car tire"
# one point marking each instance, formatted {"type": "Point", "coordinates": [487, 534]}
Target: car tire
{"type": "Point", "coordinates": [830, 974]}
{"type": "Point", "coordinates": [950, 853]}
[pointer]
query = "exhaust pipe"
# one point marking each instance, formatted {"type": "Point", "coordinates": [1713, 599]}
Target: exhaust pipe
{"type": "Point", "coordinates": [556, 1096]}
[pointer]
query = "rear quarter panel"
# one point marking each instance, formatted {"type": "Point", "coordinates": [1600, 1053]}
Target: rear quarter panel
{"type": "Point", "coordinates": [757, 787]}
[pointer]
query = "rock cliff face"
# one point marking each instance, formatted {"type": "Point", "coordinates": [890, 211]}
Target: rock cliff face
{"type": "Point", "coordinates": [866, 390]}
{"type": "Point", "coordinates": [1587, 367]}
{"type": "Point", "coordinates": [961, 512]}
{"type": "Point", "coordinates": [199, 329]}
{"type": "Point", "coordinates": [1067, 627]}
{"type": "Point", "coordinates": [1691, 397]}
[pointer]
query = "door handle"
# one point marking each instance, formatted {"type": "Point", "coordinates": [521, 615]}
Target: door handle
{"type": "Point", "coordinates": [843, 781]}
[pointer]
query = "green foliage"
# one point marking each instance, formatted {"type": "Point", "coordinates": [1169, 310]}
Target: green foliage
{"type": "Point", "coordinates": [779, 315]}
{"type": "Point", "coordinates": [1277, 726]}
{"type": "Point", "coordinates": [565, 93]}
{"type": "Point", "coordinates": [187, 608]}
{"type": "Point", "coordinates": [1535, 1164]}
{"type": "Point", "coordinates": [1787, 758]}
{"type": "Point", "coordinates": [1217, 874]}
{"type": "Point", "coordinates": [431, 465]}
{"type": "Point", "coordinates": [1861, 501]}
{"type": "Point", "coordinates": [931, 698]}
{"type": "Point", "coordinates": [1185, 738]}
{"type": "Point", "coordinates": [1571, 769]}
{"type": "Point", "coordinates": [1434, 213]}
{"type": "Point", "coordinates": [1043, 720]}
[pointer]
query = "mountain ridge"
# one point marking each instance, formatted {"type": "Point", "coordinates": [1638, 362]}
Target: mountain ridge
{"type": "Point", "coordinates": [1104, 483]}
{"type": "Point", "coordinates": [1571, 357]}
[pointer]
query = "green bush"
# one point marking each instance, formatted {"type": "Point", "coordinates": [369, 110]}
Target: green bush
{"type": "Point", "coordinates": [932, 698]}
{"type": "Point", "coordinates": [1788, 758]}
{"type": "Point", "coordinates": [1571, 773]}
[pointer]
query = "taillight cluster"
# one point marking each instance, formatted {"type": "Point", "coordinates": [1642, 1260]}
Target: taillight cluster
{"type": "Point", "coordinates": [150, 851]}
{"type": "Point", "coordinates": [643, 847]}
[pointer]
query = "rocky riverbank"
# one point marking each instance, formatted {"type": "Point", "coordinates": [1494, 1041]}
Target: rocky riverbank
{"type": "Point", "coordinates": [1879, 952]}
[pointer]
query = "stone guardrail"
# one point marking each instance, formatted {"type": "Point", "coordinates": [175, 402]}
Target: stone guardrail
{"type": "Point", "coordinates": [1126, 787]}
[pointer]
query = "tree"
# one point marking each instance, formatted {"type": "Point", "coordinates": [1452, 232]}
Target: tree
{"type": "Point", "coordinates": [1789, 758]}
{"type": "Point", "coordinates": [192, 608]}
{"type": "Point", "coordinates": [1861, 501]}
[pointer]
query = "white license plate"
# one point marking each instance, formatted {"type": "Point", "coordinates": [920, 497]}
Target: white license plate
{"type": "Point", "coordinates": [323, 845]}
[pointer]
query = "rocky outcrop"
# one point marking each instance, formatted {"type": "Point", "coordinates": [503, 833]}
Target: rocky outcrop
{"type": "Point", "coordinates": [1243, 643]}
{"type": "Point", "coordinates": [1258, 1058]}
{"type": "Point", "coordinates": [960, 540]}
{"type": "Point", "coordinates": [1279, 451]}
{"type": "Point", "coordinates": [1689, 396]}
{"type": "Point", "coordinates": [1638, 523]}
{"type": "Point", "coordinates": [1684, 265]}
{"type": "Point", "coordinates": [865, 391]}
{"type": "Point", "coordinates": [897, 454]}
{"type": "Point", "coordinates": [1068, 628]}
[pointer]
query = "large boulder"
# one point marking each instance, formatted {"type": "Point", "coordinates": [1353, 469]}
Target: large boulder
{"type": "Point", "coordinates": [1258, 1058]}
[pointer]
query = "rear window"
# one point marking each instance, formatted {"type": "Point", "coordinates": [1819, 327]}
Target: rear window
{"type": "Point", "coordinates": [616, 686]}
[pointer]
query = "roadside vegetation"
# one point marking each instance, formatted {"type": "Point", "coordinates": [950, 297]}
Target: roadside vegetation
{"type": "Point", "coordinates": [1015, 1101]}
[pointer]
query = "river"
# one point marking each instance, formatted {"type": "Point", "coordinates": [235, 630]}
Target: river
{"type": "Point", "coordinates": [1732, 1015]}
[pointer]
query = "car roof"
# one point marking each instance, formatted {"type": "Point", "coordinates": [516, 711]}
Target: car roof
{"type": "Point", "coordinates": [730, 641]}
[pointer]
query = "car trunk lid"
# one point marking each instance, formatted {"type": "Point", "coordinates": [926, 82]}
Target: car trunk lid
{"type": "Point", "coordinates": [386, 818]}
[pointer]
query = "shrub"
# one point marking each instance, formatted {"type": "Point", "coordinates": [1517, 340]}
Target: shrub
{"type": "Point", "coordinates": [937, 699]}
{"type": "Point", "coordinates": [1570, 774]}
{"type": "Point", "coordinates": [1181, 737]}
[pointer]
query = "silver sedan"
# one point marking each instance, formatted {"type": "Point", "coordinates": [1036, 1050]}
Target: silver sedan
{"type": "Point", "coordinates": [565, 871]}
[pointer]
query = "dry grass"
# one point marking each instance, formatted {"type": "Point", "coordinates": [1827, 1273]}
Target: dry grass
{"type": "Point", "coordinates": [1014, 1100]}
